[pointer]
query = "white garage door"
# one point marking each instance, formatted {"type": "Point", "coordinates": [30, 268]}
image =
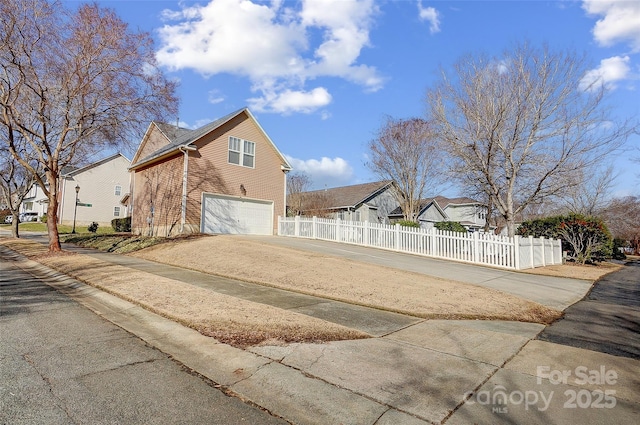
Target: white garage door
{"type": "Point", "coordinates": [230, 214]}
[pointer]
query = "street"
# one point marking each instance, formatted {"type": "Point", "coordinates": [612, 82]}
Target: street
{"type": "Point", "coordinates": [63, 364]}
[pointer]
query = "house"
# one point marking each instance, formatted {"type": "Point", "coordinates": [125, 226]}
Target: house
{"type": "Point", "coordinates": [361, 202]}
{"type": "Point", "coordinates": [224, 177]}
{"type": "Point", "coordinates": [34, 202]}
{"type": "Point", "coordinates": [466, 211]}
{"type": "Point", "coordinates": [101, 186]}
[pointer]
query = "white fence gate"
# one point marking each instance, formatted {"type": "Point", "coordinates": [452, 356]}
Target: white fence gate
{"type": "Point", "coordinates": [515, 253]}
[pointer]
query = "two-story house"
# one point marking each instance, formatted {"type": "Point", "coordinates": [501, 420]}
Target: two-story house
{"type": "Point", "coordinates": [101, 187]}
{"type": "Point", "coordinates": [224, 177]}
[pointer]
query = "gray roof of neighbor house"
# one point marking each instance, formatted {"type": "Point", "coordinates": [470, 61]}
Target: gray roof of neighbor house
{"type": "Point", "coordinates": [179, 137]}
{"type": "Point", "coordinates": [442, 203]}
{"type": "Point", "coordinates": [351, 196]}
{"type": "Point", "coordinates": [71, 171]}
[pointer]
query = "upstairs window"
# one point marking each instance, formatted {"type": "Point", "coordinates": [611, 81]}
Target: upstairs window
{"type": "Point", "coordinates": [242, 152]}
{"type": "Point", "coordinates": [118, 190]}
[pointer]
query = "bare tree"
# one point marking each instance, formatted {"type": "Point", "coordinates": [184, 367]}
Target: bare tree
{"type": "Point", "coordinates": [15, 184]}
{"type": "Point", "coordinates": [622, 216]}
{"type": "Point", "coordinates": [523, 125]}
{"type": "Point", "coordinates": [406, 152]}
{"type": "Point", "coordinates": [73, 83]}
{"type": "Point", "coordinates": [593, 193]}
{"type": "Point", "coordinates": [297, 184]}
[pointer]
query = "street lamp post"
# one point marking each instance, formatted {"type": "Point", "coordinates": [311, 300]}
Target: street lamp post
{"type": "Point", "coordinates": [75, 210]}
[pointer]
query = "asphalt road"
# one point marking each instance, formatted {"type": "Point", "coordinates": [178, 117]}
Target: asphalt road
{"type": "Point", "coordinates": [607, 319]}
{"type": "Point", "coordinates": [62, 364]}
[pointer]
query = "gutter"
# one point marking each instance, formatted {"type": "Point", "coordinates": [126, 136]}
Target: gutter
{"type": "Point", "coordinates": [185, 149]}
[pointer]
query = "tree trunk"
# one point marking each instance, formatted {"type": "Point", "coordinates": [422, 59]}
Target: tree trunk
{"type": "Point", "coordinates": [14, 226]}
{"type": "Point", "coordinates": [52, 213]}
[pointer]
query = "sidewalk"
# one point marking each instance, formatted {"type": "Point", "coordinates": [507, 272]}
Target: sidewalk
{"type": "Point", "coordinates": [418, 372]}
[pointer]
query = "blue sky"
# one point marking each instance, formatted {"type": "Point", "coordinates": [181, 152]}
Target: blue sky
{"type": "Point", "coordinates": [320, 76]}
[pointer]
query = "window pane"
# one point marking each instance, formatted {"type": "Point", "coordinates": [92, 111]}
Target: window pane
{"type": "Point", "coordinates": [118, 190]}
{"type": "Point", "coordinates": [234, 144]}
{"type": "Point", "coordinates": [249, 147]}
{"type": "Point", "coordinates": [116, 211]}
{"type": "Point", "coordinates": [247, 161]}
{"type": "Point", "coordinates": [234, 157]}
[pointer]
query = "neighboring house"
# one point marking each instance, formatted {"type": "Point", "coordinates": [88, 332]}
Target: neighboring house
{"type": "Point", "coordinates": [361, 202]}
{"type": "Point", "coordinates": [466, 211]}
{"type": "Point", "coordinates": [225, 177]}
{"type": "Point", "coordinates": [35, 202]}
{"type": "Point", "coordinates": [103, 184]}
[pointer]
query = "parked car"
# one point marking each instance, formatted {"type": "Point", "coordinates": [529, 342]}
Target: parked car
{"type": "Point", "coordinates": [8, 219]}
{"type": "Point", "coordinates": [28, 216]}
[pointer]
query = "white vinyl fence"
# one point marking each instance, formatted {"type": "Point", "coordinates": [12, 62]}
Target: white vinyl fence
{"type": "Point", "coordinates": [515, 253]}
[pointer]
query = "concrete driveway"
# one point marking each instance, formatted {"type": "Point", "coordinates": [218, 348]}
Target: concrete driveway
{"type": "Point", "coordinates": [554, 292]}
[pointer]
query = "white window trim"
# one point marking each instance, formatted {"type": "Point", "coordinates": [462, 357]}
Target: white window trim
{"type": "Point", "coordinates": [114, 211]}
{"type": "Point", "coordinates": [241, 152]}
{"type": "Point", "coordinates": [117, 191]}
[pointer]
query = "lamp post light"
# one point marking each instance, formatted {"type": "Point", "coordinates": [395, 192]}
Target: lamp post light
{"type": "Point", "coordinates": [75, 210]}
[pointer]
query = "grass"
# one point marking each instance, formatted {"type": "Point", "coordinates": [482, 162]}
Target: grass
{"type": "Point", "coordinates": [115, 242]}
{"type": "Point", "coordinates": [62, 228]}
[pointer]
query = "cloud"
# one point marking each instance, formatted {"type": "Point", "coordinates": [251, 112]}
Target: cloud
{"type": "Point", "coordinates": [610, 71]}
{"type": "Point", "coordinates": [430, 15]}
{"type": "Point", "coordinates": [215, 96]}
{"type": "Point", "coordinates": [279, 46]}
{"type": "Point", "coordinates": [620, 21]}
{"type": "Point", "coordinates": [325, 172]}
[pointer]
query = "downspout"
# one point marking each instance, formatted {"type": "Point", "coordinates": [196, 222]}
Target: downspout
{"type": "Point", "coordinates": [185, 173]}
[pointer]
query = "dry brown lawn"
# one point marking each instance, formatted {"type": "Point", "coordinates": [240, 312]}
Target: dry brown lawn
{"type": "Point", "coordinates": [225, 318]}
{"type": "Point", "coordinates": [346, 280]}
{"type": "Point", "coordinates": [576, 271]}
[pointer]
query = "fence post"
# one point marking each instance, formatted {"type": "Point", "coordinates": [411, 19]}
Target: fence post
{"type": "Point", "coordinates": [296, 226]}
{"type": "Point", "coordinates": [516, 251]}
{"type": "Point", "coordinates": [279, 225]}
{"type": "Point", "coordinates": [433, 241]}
{"type": "Point", "coordinates": [544, 260]}
{"type": "Point", "coordinates": [532, 256]}
{"type": "Point", "coordinates": [365, 236]}
{"type": "Point", "coordinates": [338, 221]}
{"type": "Point", "coordinates": [397, 237]}
{"type": "Point", "coordinates": [476, 247]}
{"type": "Point", "coordinates": [314, 223]}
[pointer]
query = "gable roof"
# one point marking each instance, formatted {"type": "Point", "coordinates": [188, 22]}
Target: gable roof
{"type": "Point", "coordinates": [71, 171]}
{"type": "Point", "coordinates": [351, 196]}
{"type": "Point", "coordinates": [440, 202]}
{"type": "Point", "coordinates": [181, 137]}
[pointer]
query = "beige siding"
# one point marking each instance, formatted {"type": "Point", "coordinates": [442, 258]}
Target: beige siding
{"type": "Point", "coordinates": [210, 171]}
{"type": "Point", "coordinates": [154, 140]}
{"type": "Point", "coordinates": [97, 187]}
{"type": "Point", "coordinates": [157, 198]}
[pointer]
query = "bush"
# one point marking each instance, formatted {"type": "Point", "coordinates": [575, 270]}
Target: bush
{"type": "Point", "coordinates": [121, 224]}
{"type": "Point", "coordinates": [43, 219]}
{"type": "Point", "coordinates": [450, 226]}
{"type": "Point", "coordinates": [93, 227]}
{"type": "Point", "coordinates": [408, 223]}
{"type": "Point", "coordinates": [586, 239]}
{"type": "Point", "coordinates": [618, 244]}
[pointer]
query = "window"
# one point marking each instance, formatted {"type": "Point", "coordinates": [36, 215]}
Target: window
{"type": "Point", "coordinates": [242, 152]}
{"type": "Point", "coordinates": [118, 190]}
{"type": "Point", "coordinates": [116, 211]}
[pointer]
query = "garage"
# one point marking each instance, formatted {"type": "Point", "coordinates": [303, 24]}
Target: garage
{"type": "Point", "coordinates": [235, 215]}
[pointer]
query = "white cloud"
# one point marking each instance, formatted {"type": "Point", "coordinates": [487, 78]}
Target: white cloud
{"type": "Point", "coordinates": [431, 15]}
{"type": "Point", "coordinates": [609, 72]}
{"type": "Point", "coordinates": [288, 101]}
{"type": "Point", "coordinates": [325, 172]}
{"type": "Point", "coordinates": [215, 96]}
{"type": "Point", "coordinates": [620, 21]}
{"type": "Point", "coordinates": [271, 44]}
